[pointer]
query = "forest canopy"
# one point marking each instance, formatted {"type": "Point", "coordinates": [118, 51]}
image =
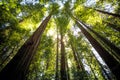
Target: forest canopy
{"type": "Point", "coordinates": [59, 39]}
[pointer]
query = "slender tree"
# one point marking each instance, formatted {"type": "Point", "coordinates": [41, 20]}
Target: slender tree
{"type": "Point", "coordinates": [17, 68]}
{"type": "Point", "coordinates": [62, 22]}
{"type": "Point", "coordinates": [105, 12]}
{"type": "Point", "coordinates": [57, 51]}
{"type": "Point", "coordinates": [75, 54]}
{"type": "Point", "coordinates": [63, 60]}
{"type": "Point", "coordinates": [67, 69]}
{"type": "Point", "coordinates": [75, 57]}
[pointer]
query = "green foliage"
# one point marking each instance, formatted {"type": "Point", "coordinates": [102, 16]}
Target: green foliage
{"type": "Point", "coordinates": [79, 75]}
{"type": "Point", "coordinates": [43, 61]}
{"type": "Point", "coordinates": [18, 22]}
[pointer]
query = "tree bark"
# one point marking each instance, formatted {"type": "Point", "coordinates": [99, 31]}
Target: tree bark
{"type": "Point", "coordinates": [63, 62]}
{"type": "Point", "coordinates": [104, 73]}
{"type": "Point", "coordinates": [67, 69]}
{"type": "Point", "coordinates": [112, 63]}
{"type": "Point", "coordinates": [106, 41]}
{"type": "Point", "coordinates": [17, 68]}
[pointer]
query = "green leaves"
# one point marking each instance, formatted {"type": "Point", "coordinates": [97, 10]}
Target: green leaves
{"type": "Point", "coordinates": [18, 22]}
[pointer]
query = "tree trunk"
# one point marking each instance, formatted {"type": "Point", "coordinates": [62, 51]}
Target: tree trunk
{"type": "Point", "coordinates": [104, 72]}
{"type": "Point", "coordinates": [57, 51]}
{"type": "Point", "coordinates": [112, 14]}
{"type": "Point", "coordinates": [76, 58]}
{"type": "Point", "coordinates": [63, 63]}
{"type": "Point", "coordinates": [109, 59]}
{"type": "Point", "coordinates": [106, 41]}
{"type": "Point", "coordinates": [67, 70]}
{"type": "Point", "coordinates": [104, 12]}
{"type": "Point", "coordinates": [17, 68]}
{"type": "Point", "coordinates": [79, 64]}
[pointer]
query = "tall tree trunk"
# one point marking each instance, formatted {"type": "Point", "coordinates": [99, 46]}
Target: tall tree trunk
{"type": "Point", "coordinates": [77, 57]}
{"type": "Point", "coordinates": [79, 67]}
{"type": "Point", "coordinates": [109, 59]}
{"type": "Point", "coordinates": [112, 14]}
{"type": "Point", "coordinates": [67, 70]}
{"type": "Point", "coordinates": [75, 53]}
{"type": "Point", "coordinates": [105, 12]}
{"type": "Point", "coordinates": [63, 63]}
{"type": "Point", "coordinates": [104, 72]}
{"type": "Point", "coordinates": [57, 51]}
{"type": "Point", "coordinates": [106, 41]}
{"type": "Point", "coordinates": [17, 68]}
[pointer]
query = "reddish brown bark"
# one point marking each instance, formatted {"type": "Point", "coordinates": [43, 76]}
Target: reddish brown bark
{"type": "Point", "coordinates": [63, 62]}
{"type": "Point", "coordinates": [106, 41]}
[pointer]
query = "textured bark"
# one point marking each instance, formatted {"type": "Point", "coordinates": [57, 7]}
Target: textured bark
{"type": "Point", "coordinates": [17, 68]}
{"type": "Point", "coordinates": [106, 41]}
{"type": "Point", "coordinates": [63, 62]}
{"type": "Point", "coordinates": [112, 63]}
{"type": "Point", "coordinates": [104, 73]}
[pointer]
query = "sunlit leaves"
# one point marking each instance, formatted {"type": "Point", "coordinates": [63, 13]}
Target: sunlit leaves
{"type": "Point", "coordinates": [88, 15]}
{"type": "Point", "coordinates": [94, 19]}
{"type": "Point", "coordinates": [23, 20]}
{"type": "Point", "coordinates": [27, 25]}
{"type": "Point", "coordinates": [54, 8]}
{"type": "Point", "coordinates": [43, 61]}
{"type": "Point", "coordinates": [78, 10]}
{"type": "Point", "coordinates": [62, 23]}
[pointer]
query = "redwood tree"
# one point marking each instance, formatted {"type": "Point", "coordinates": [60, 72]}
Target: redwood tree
{"type": "Point", "coordinates": [17, 68]}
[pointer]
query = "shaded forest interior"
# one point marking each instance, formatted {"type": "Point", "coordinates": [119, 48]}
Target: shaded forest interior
{"type": "Point", "coordinates": [59, 40]}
